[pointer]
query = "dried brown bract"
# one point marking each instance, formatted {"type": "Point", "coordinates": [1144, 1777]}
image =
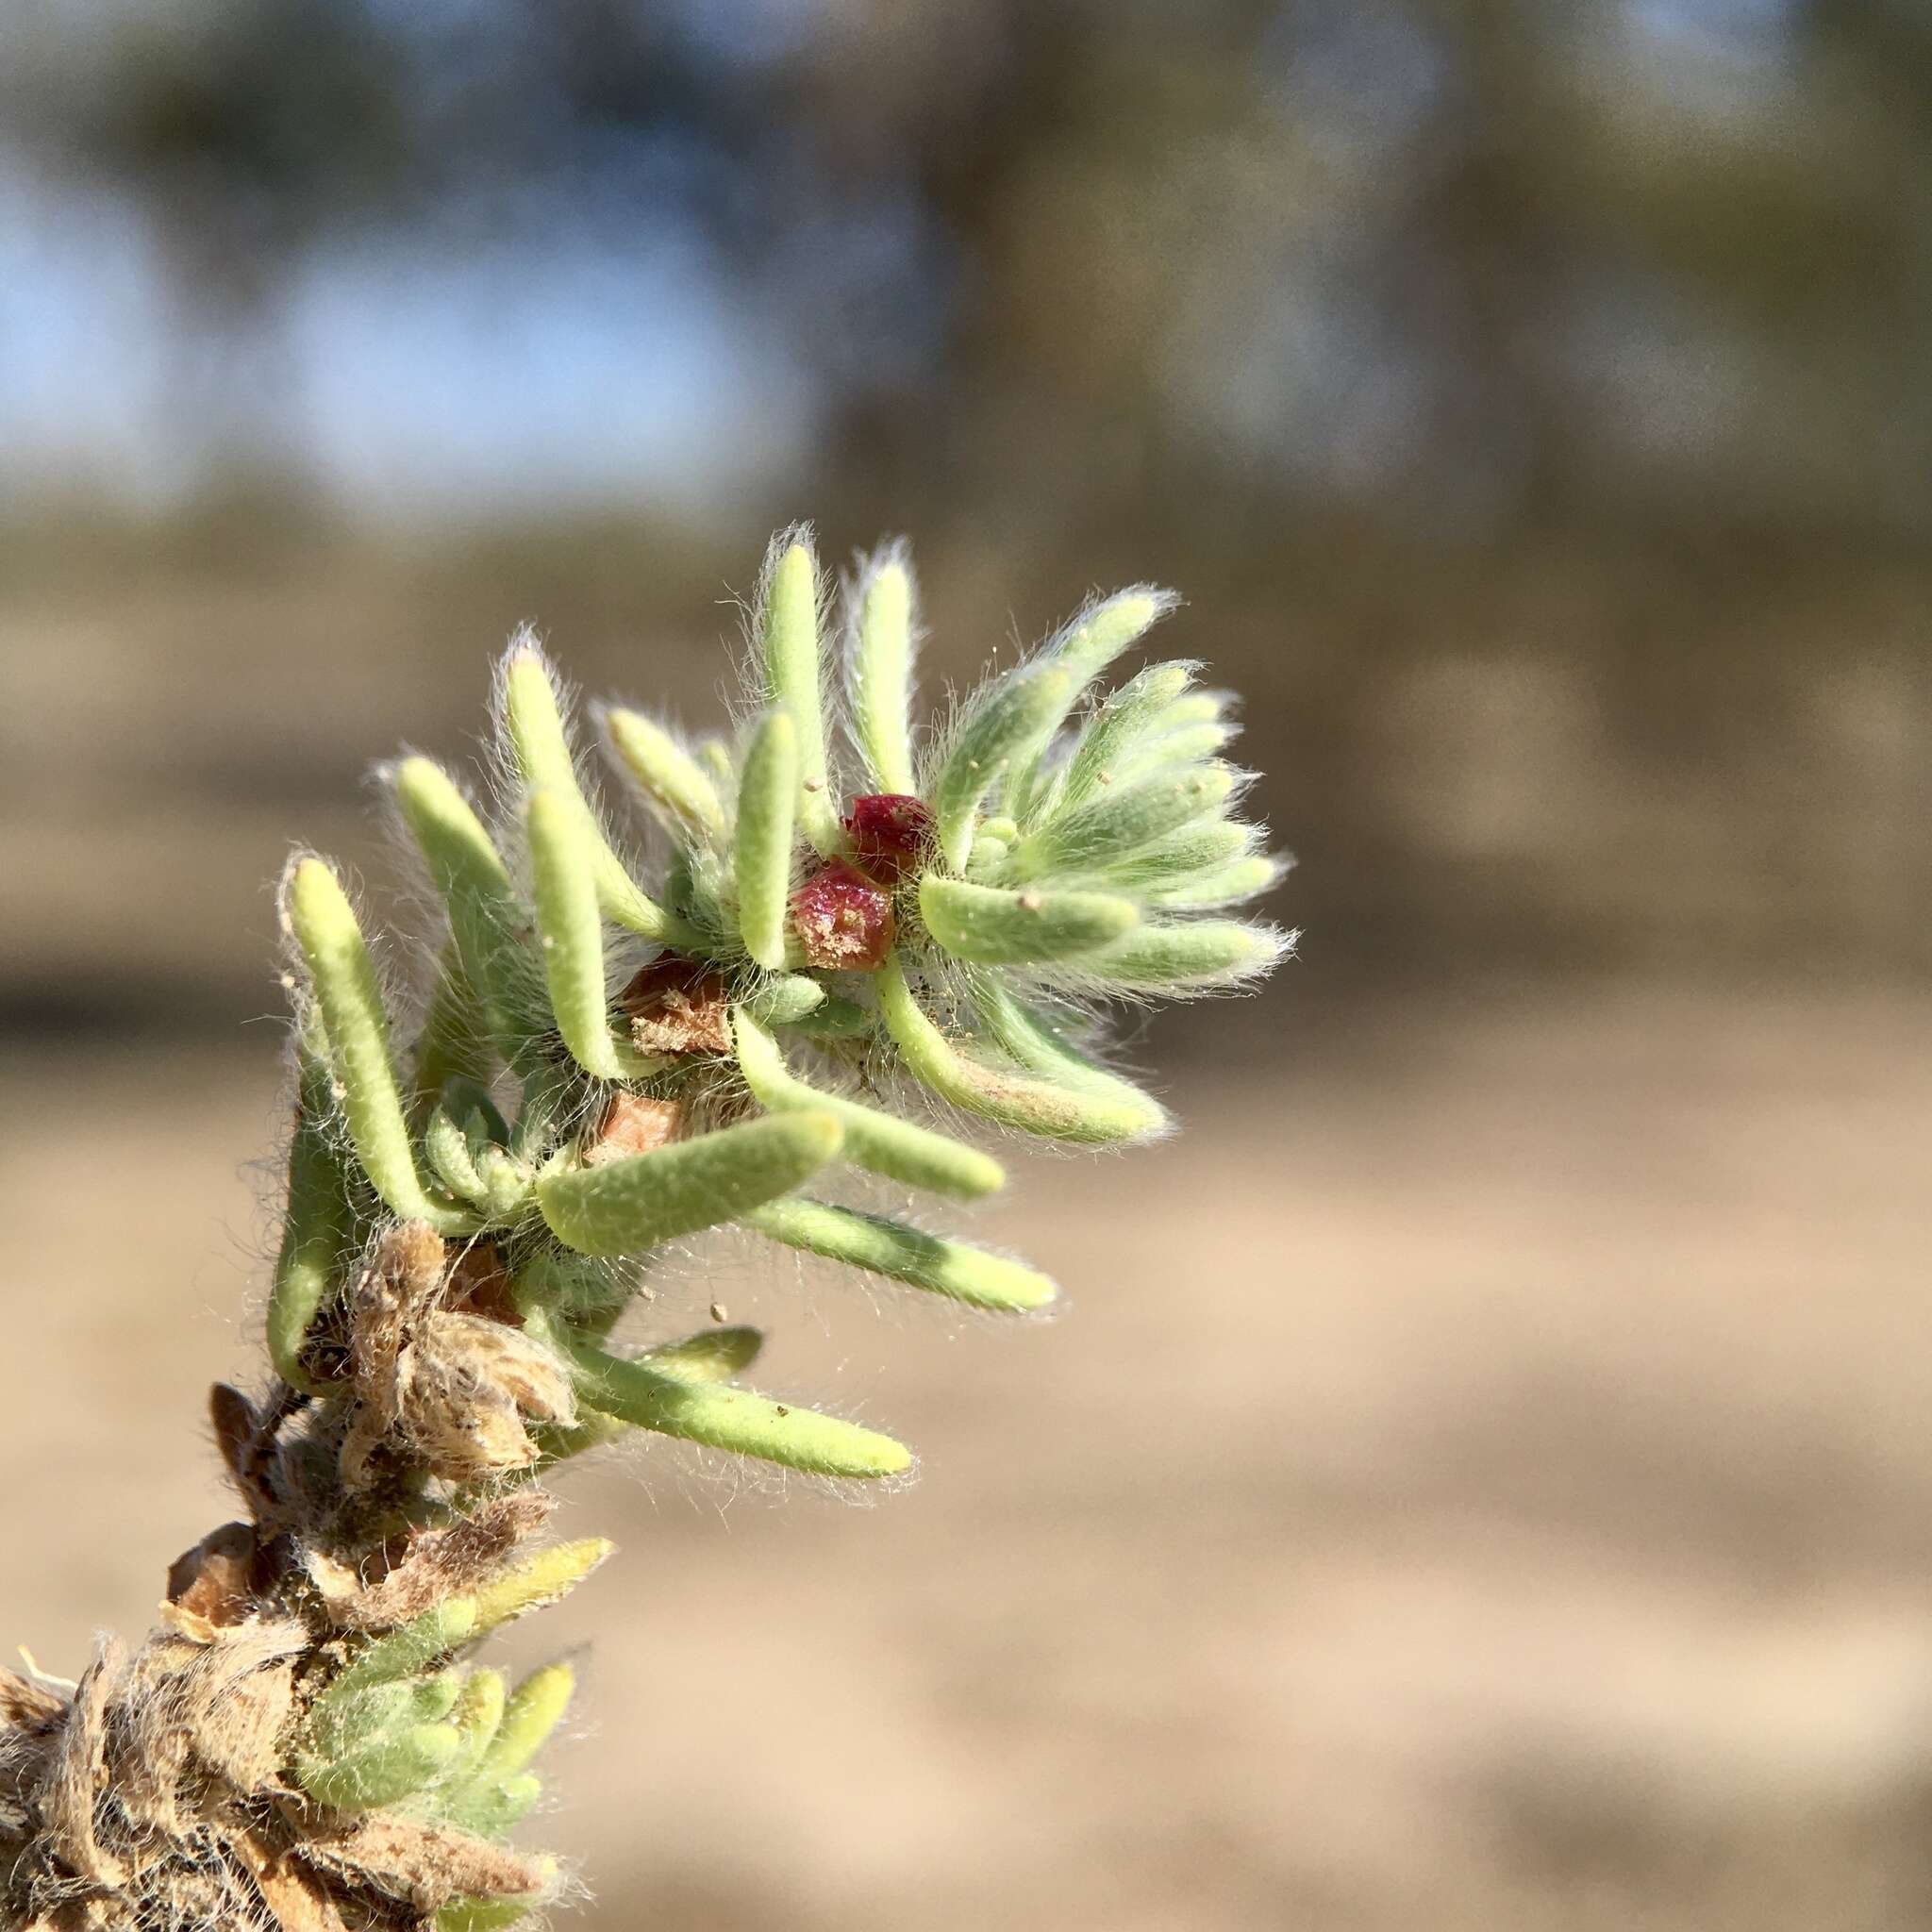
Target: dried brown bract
{"type": "Point", "coordinates": [634, 1124]}
{"type": "Point", "coordinates": [678, 1005]}
{"type": "Point", "coordinates": [446, 1389]}
{"type": "Point", "coordinates": [432, 1565]}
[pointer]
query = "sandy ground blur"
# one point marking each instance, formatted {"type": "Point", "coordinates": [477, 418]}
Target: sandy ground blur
{"type": "Point", "coordinates": [1481, 1482]}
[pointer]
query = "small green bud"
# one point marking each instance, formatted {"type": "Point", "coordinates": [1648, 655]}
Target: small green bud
{"type": "Point", "coordinates": [989, 854]}
{"type": "Point", "coordinates": [832, 1019]}
{"type": "Point", "coordinates": [785, 999]}
{"type": "Point", "coordinates": [712, 1355]}
{"type": "Point", "coordinates": [447, 1148]}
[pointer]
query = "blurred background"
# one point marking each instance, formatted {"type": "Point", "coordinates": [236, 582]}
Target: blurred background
{"type": "Point", "coordinates": [1484, 1481]}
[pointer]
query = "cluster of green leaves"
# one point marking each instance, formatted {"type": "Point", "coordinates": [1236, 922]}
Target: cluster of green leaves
{"type": "Point", "coordinates": [401, 1724]}
{"type": "Point", "coordinates": [943, 940]}
{"type": "Point", "coordinates": [1038, 855]}
{"type": "Point", "coordinates": [404, 1727]}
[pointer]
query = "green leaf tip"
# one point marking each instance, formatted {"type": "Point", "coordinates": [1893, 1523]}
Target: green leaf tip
{"type": "Point", "coordinates": [1119, 724]}
{"type": "Point", "coordinates": [539, 747]}
{"type": "Point", "coordinates": [625, 1205]}
{"type": "Point", "coordinates": [1099, 634]}
{"type": "Point", "coordinates": [1192, 955]}
{"type": "Point", "coordinates": [879, 672]}
{"type": "Point", "coordinates": [539, 1580]}
{"type": "Point", "coordinates": [489, 1810]}
{"type": "Point", "coordinates": [1116, 824]}
{"type": "Point", "coordinates": [410, 1648]}
{"type": "Point", "coordinates": [476, 1716]}
{"type": "Point", "coordinates": [888, 1247]}
{"type": "Point", "coordinates": [535, 1709]}
{"type": "Point", "coordinates": [1081, 652]}
{"type": "Point", "coordinates": [315, 1230]}
{"type": "Point", "coordinates": [674, 782]}
{"type": "Point", "coordinates": [738, 1420]}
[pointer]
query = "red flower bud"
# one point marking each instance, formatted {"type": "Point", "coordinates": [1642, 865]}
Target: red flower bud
{"type": "Point", "coordinates": [887, 829]}
{"type": "Point", "coordinates": [844, 922]}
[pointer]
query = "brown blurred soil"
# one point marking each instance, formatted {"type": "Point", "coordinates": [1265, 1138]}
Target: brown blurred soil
{"type": "Point", "coordinates": [1483, 1481]}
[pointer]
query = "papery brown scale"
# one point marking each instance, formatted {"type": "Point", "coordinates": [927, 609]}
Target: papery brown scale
{"type": "Point", "coordinates": [634, 1124]}
{"type": "Point", "coordinates": [677, 1005]}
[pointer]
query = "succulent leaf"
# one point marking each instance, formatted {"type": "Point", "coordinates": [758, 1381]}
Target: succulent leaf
{"type": "Point", "coordinates": [674, 782]}
{"type": "Point", "coordinates": [884, 1246]}
{"type": "Point", "coordinates": [789, 647]}
{"type": "Point", "coordinates": [314, 1227]}
{"type": "Point", "coordinates": [539, 1580]}
{"type": "Point", "coordinates": [393, 1769]}
{"type": "Point", "coordinates": [1014, 716]}
{"type": "Point", "coordinates": [989, 925]}
{"type": "Point", "coordinates": [357, 1027]}
{"type": "Point", "coordinates": [767, 816]}
{"type": "Point", "coordinates": [1054, 1106]}
{"type": "Point", "coordinates": [721, 1417]}
{"type": "Point", "coordinates": [626, 1206]}
{"type": "Point", "coordinates": [875, 1139]}
{"type": "Point", "coordinates": [534, 726]}
{"type": "Point", "coordinates": [878, 673]}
